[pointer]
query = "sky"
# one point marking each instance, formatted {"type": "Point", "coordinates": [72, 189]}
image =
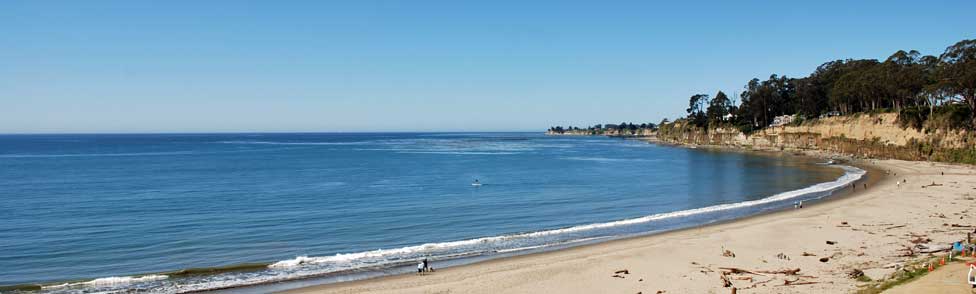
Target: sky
{"type": "Point", "coordinates": [376, 66]}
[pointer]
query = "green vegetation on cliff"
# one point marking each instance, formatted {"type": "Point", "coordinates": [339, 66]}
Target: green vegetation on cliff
{"type": "Point", "coordinates": [920, 87]}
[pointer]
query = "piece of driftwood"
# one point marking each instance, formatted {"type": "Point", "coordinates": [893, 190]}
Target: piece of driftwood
{"type": "Point", "coordinates": [831, 242]}
{"type": "Point", "coordinates": [791, 272]}
{"type": "Point", "coordinates": [744, 278]}
{"type": "Point", "coordinates": [735, 270]}
{"type": "Point", "coordinates": [788, 283]}
{"type": "Point", "coordinates": [725, 280]}
{"type": "Point", "coordinates": [922, 248]}
{"type": "Point", "coordinates": [623, 271]}
{"type": "Point", "coordinates": [920, 240]}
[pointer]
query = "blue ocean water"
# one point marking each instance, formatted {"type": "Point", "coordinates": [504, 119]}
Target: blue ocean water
{"type": "Point", "coordinates": [107, 212]}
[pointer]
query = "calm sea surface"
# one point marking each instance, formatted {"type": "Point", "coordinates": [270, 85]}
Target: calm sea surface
{"type": "Point", "coordinates": [107, 212]}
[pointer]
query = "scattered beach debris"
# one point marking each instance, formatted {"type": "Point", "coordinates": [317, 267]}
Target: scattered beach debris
{"type": "Point", "coordinates": [824, 259]}
{"type": "Point", "coordinates": [808, 254]}
{"type": "Point", "coordinates": [735, 270]}
{"type": "Point", "coordinates": [623, 271]}
{"type": "Point", "coordinates": [855, 273]}
{"type": "Point", "coordinates": [831, 242]}
{"type": "Point", "coordinates": [921, 240]}
{"type": "Point", "coordinates": [907, 251]}
{"type": "Point", "coordinates": [744, 278]}
{"type": "Point", "coordinates": [728, 253]}
{"type": "Point", "coordinates": [730, 274]}
{"type": "Point", "coordinates": [922, 248]}
{"type": "Point", "coordinates": [797, 282]}
{"type": "Point", "coordinates": [782, 256]}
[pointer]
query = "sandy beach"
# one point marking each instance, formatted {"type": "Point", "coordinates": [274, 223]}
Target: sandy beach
{"type": "Point", "coordinates": [868, 230]}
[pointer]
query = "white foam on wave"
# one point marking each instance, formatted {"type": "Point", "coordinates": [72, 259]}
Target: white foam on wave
{"type": "Point", "coordinates": [109, 281]}
{"type": "Point", "coordinates": [851, 174]}
{"type": "Point", "coordinates": [548, 245]}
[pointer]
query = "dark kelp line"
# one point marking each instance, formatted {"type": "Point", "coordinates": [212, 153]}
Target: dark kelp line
{"type": "Point", "coordinates": [183, 273]}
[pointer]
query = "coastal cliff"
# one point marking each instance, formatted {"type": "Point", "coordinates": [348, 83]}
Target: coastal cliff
{"type": "Point", "coordinates": [865, 135]}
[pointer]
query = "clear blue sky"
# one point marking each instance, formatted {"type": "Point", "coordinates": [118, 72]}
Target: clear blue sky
{"type": "Point", "coordinates": [224, 66]}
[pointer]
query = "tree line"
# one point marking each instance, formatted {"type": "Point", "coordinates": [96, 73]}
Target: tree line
{"type": "Point", "coordinates": [598, 129]}
{"type": "Point", "coordinates": [918, 87]}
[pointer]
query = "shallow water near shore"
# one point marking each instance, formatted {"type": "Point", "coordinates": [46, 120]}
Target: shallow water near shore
{"type": "Point", "coordinates": [86, 213]}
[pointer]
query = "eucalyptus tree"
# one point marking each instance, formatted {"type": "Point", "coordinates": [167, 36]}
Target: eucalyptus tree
{"type": "Point", "coordinates": [957, 73]}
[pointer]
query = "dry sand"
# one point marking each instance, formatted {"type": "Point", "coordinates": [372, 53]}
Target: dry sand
{"type": "Point", "coordinates": [880, 222]}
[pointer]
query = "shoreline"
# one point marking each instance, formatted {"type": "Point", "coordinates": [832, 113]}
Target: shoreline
{"type": "Point", "coordinates": [345, 275]}
{"type": "Point", "coordinates": [876, 177]}
{"type": "Point", "coordinates": [377, 275]}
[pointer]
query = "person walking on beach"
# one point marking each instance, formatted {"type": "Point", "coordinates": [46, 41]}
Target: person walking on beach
{"type": "Point", "coordinates": [426, 265]}
{"type": "Point", "coordinates": [420, 268]}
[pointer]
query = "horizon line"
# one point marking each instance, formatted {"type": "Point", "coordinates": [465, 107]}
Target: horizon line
{"type": "Point", "coordinates": [257, 132]}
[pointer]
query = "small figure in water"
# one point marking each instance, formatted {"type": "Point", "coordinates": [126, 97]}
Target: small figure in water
{"type": "Point", "coordinates": [801, 203]}
{"type": "Point", "coordinates": [476, 183]}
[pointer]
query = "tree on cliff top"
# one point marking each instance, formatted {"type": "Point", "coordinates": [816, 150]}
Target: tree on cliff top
{"type": "Point", "coordinates": [958, 73]}
{"type": "Point", "coordinates": [718, 108]}
{"type": "Point", "coordinates": [696, 109]}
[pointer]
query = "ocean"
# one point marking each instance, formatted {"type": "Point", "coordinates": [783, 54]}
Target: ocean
{"type": "Point", "coordinates": [169, 213]}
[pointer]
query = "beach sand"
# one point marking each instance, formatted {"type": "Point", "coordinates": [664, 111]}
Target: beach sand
{"type": "Point", "coordinates": [879, 223]}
